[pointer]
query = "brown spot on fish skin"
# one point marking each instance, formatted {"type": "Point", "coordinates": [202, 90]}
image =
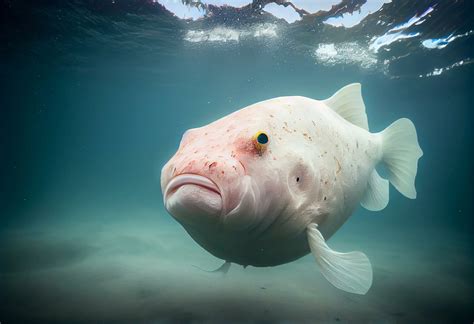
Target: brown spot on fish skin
{"type": "Point", "coordinates": [357, 144]}
{"type": "Point", "coordinates": [339, 168]}
{"type": "Point", "coordinates": [271, 115]}
{"type": "Point", "coordinates": [212, 165]}
{"type": "Point", "coordinates": [314, 124]}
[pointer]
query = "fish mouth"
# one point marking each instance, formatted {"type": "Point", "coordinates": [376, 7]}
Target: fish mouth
{"type": "Point", "coordinates": [191, 179]}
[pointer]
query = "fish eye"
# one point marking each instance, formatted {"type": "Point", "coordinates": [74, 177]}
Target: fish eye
{"type": "Point", "coordinates": [262, 138]}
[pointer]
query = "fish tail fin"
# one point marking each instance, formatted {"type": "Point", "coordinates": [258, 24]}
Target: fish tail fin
{"type": "Point", "coordinates": [400, 154]}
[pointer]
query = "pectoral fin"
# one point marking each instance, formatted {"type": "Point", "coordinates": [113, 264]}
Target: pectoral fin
{"type": "Point", "coordinates": [351, 271]}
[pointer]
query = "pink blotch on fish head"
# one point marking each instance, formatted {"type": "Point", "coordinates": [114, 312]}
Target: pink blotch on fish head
{"type": "Point", "coordinates": [220, 152]}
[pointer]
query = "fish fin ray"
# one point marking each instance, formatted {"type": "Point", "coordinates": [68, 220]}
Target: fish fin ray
{"type": "Point", "coordinates": [348, 103]}
{"type": "Point", "coordinates": [224, 268]}
{"type": "Point", "coordinates": [351, 271]}
{"type": "Point", "coordinates": [401, 152]}
{"type": "Point", "coordinates": [376, 195]}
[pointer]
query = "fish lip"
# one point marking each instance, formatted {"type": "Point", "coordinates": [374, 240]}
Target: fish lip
{"type": "Point", "coordinates": [191, 179]}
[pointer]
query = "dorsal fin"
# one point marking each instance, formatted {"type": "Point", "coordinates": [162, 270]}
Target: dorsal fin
{"type": "Point", "coordinates": [348, 103]}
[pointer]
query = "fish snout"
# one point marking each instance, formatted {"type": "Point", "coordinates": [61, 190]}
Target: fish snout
{"type": "Point", "coordinates": [220, 169]}
{"type": "Point", "coordinates": [201, 189]}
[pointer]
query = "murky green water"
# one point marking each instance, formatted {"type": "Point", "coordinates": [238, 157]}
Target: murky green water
{"type": "Point", "coordinates": [94, 102]}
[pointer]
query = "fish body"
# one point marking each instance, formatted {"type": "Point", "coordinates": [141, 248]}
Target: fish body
{"type": "Point", "coordinates": [274, 181]}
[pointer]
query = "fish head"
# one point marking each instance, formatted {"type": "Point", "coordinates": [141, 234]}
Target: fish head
{"type": "Point", "coordinates": [239, 172]}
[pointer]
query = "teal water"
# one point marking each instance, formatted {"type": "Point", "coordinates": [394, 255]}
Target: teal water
{"type": "Point", "coordinates": [95, 101]}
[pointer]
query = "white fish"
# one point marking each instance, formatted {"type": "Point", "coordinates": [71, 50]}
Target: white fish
{"type": "Point", "coordinates": [274, 181]}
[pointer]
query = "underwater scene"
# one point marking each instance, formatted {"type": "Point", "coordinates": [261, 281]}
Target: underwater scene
{"type": "Point", "coordinates": [134, 189]}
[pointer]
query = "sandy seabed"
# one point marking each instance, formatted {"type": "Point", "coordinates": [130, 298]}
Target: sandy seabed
{"type": "Point", "coordinates": [142, 270]}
